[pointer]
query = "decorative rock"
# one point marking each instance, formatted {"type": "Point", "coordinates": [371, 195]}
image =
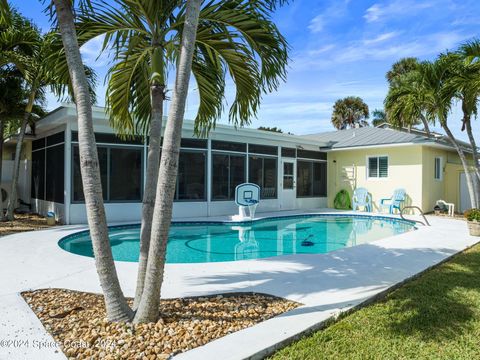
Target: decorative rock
{"type": "Point", "coordinates": [185, 323]}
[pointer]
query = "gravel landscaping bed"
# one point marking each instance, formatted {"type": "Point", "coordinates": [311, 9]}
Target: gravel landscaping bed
{"type": "Point", "coordinates": [23, 222]}
{"type": "Point", "coordinates": [76, 320]}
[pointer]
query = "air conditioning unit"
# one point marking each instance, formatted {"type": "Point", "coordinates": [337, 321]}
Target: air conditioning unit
{"type": "Point", "coordinates": [5, 190]}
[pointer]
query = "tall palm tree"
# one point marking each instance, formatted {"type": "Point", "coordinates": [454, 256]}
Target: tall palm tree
{"type": "Point", "coordinates": [116, 304]}
{"type": "Point", "coordinates": [423, 92]}
{"type": "Point", "coordinates": [399, 76]}
{"type": "Point", "coordinates": [42, 68]}
{"type": "Point", "coordinates": [234, 37]}
{"type": "Point", "coordinates": [466, 83]}
{"type": "Point", "coordinates": [13, 95]}
{"type": "Point", "coordinates": [350, 112]}
{"type": "Point", "coordinates": [148, 309]}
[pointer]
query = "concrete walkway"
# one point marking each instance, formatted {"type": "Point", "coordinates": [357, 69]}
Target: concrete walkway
{"type": "Point", "coordinates": [325, 283]}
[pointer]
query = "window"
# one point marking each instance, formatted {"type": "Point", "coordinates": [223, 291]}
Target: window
{"type": "Point", "coordinates": [38, 174]}
{"type": "Point", "coordinates": [289, 152]}
{"type": "Point", "coordinates": [438, 171]}
{"type": "Point", "coordinates": [77, 177]}
{"type": "Point", "coordinates": [288, 171]}
{"type": "Point", "coordinates": [229, 146]}
{"type": "Point", "coordinates": [263, 149]}
{"type": "Point", "coordinates": [377, 167]}
{"type": "Point", "coordinates": [191, 176]}
{"type": "Point", "coordinates": [228, 171]}
{"type": "Point", "coordinates": [308, 154]}
{"type": "Point", "coordinates": [55, 173]}
{"type": "Point", "coordinates": [112, 139]}
{"type": "Point", "coordinates": [120, 172]}
{"type": "Point", "coordinates": [125, 174]}
{"type": "Point", "coordinates": [311, 179]}
{"type": "Point", "coordinates": [193, 143]}
{"type": "Point", "coordinates": [263, 172]}
{"type": "Point", "coordinates": [48, 165]}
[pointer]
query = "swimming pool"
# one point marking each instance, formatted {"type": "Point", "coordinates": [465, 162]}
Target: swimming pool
{"type": "Point", "coordinates": [215, 242]}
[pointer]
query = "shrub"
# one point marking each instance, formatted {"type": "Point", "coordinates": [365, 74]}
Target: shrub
{"type": "Point", "coordinates": [342, 200]}
{"type": "Point", "coordinates": [472, 215]}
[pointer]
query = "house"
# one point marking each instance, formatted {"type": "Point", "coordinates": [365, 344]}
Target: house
{"type": "Point", "coordinates": [382, 159]}
{"type": "Point", "coordinates": [294, 172]}
{"type": "Point", "coordinates": [209, 170]}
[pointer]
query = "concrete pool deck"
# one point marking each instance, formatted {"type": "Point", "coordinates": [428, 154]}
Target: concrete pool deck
{"type": "Point", "coordinates": [326, 284]}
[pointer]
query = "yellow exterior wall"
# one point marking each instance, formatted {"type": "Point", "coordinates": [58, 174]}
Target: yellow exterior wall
{"type": "Point", "coordinates": [405, 170]}
{"type": "Point", "coordinates": [449, 188]}
{"type": "Point", "coordinates": [9, 151]}
{"type": "Point", "coordinates": [409, 167]}
{"type": "Point", "coordinates": [433, 189]}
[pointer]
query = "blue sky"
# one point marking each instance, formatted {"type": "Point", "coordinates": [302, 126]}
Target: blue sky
{"type": "Point", "coordinates": [338, 48]}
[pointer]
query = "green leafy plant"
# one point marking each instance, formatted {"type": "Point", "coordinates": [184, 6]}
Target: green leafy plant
{"type": "Point", "coordinates": [472, 215]}
{"type": "Point", "coordinates": [342, 200]}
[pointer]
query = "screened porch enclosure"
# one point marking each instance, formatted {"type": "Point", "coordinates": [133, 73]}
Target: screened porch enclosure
{"type": "Point", "coordinates": [208, 172]}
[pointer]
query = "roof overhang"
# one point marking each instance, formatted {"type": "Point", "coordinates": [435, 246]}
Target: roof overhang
{"type": "Point", "coordinates": [11, 140]}
{"type": "Point", "coordinates": [377, 146]}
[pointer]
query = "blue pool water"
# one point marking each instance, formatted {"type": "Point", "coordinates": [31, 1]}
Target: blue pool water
{"type": "Point", "coordinates": [213, 242]}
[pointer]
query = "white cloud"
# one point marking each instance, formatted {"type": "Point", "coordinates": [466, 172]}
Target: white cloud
{"type": "Point", "coordinates": [378, 48]}
{"type": "Point", "coordinates": [317, 23]}
{"type": "Point", "coordinates": [334, 11]}
{"type": "Point", "coordinates": [321, 50]}
{"type": "Point", "coordinates": [91, 53]}
{"type": "Point", "coordinates": [381, 37]}
{"type": "Point", "coordinates": [383, 11]}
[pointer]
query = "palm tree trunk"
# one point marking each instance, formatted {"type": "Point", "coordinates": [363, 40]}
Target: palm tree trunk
{"type": "Point", "coordinates": [463, 159]}
{"type": "Point", "coordinates": [115, 302]}
{"type": "Point", "coordinates": [12, 201]}
{"type": "Point", "coordinates": [425, 126]}
{"type": "Point", "coordinates": [2, 129]}
{"type": "Point", "coordinates": [148, 309]}
{"type": "Point", "coordinates": [476, 164]}
{"type": "Point", "coordinates": [153, 165]}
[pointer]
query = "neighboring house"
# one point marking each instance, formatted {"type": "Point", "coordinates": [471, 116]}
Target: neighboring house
{"type": "Point", "coordinates": [294, 172]}
{"type": "Point", "coordinates": [383, 159]}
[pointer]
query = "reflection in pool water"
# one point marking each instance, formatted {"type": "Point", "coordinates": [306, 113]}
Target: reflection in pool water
{"type": "Point", "coordinates": [214, 242]}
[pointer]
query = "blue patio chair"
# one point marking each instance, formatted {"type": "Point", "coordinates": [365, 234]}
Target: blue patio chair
{"type": "Point", "coordinates": [393, 202]}
{"type": "Point", "coordinates": [361, 197]}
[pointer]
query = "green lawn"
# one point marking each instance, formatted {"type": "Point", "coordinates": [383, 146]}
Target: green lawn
{"type": "Point", "coordinates": [436, 316]}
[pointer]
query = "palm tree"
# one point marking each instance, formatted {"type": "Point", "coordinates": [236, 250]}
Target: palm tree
{"type": "Point", "coordinates": [235, 37]}
{"type": "Point", "coordinates": [379, 117]}
{"type": "Point", "coordinates": [13, 95]}
{"type": "Point", "coordinates": [42, 68]}
{"type": "Point", "coordinates": [148, 308]}
{"type": "Point", "coordinates": [423, 92]}
{"type": "Point", "coordinates": [401, 67]}
{"type": "Point", "coordinates": [399, 77]}
{"type": "Point", "coordinates": [466, 82]}
{"type": "Point", "coordinates": [350, 112]}
{"type": "Point", "coordinates": [116, 304]}
{"type": "Point", "coordinates": [436, 77]}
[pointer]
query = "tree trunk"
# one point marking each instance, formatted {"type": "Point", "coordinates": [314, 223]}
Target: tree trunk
{"type": "Point", "coordinates": [12, 201]}
{"type": "Point", "coordinates": [425, 126]}
{"type": "Point", "coordinates": [2, 129]}
{"type": "Point", "coordinates": [153, 164]}
{"type": "Point", "coordinates": [148, 309]}
{"type": "Point", "coordinates": [116, 304]}
{"type": "Point", "coordinates": [468, 125]}
{"type": "Point", "coordinates": [463, 159]}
